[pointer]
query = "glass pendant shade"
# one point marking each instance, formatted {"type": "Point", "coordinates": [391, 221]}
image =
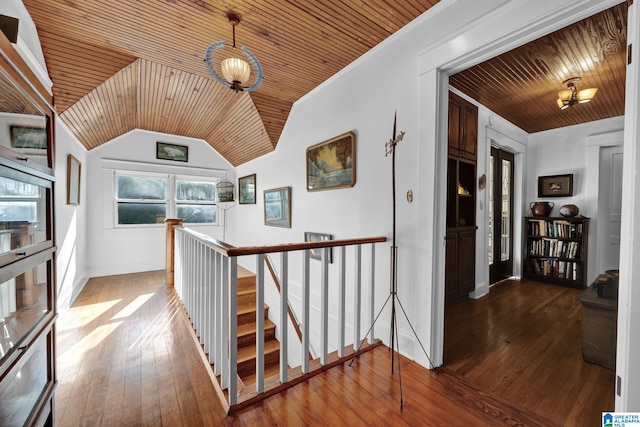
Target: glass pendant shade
{"type": "Point", "coordinates": [241, 75]}
{"type": "Point", "coordinates": [235, 70]}
{"type": "Point", "coordinates": [565, 95]}
{"type": "Point", "coordinates": [571, 96]}
{"type": "Point", "coordinates": [585, 95]}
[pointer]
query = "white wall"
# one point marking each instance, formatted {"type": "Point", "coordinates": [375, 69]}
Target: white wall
{"type": "Point", "coordinates": [562, 151]}
{"type": "Point", "coordinates": [71, 220]}
{"type": "Point", "coordinates": [119, 250]}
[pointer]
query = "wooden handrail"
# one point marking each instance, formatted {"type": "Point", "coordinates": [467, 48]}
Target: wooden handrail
{"type": "Point", "coordinates": [257, 250]}
{"type": "Point", "coordinates": [232, 251]}
{"type": "Point", "coordinates": [292, 316]}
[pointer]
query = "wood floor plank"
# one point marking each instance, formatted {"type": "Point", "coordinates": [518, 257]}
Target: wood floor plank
{"type": "Point", "coordinates": [126, 356]}
{"type": "Point", "coordinates": [523, 341]}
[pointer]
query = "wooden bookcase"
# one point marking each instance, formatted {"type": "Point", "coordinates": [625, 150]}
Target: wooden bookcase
{"type": "Point", "coordinates": [27, 246]}
{"type": "Point", "coordinates": [555, 250]}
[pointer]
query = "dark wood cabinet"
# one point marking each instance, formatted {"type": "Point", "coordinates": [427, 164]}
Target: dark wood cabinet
{"type": "Point", "coordinates": [463, 128]}
{"type": "Point", "coordinates": [27, 248]}
{"type": "Point", "coordinates": [555, 250]}
{"type": "Point", "coordinates": [461, 262]}
{"type": "Point", "coordinates": [461, 199]}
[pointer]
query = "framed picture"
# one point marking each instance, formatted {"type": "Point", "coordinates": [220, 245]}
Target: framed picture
{"type": "Point", "coordinates": [179, 153]}
{"type": "Point", "coordinates": [277, 207]}
{"type": "Point", "coordinates": [332, 164]}
{"type": "Point", "coordinates": [555, 185]}
{"type": "Point", "coordinates": [28, 137]}
{"type": "Point", "coordinates": [318, 237]}
{"type": "Point", "coordinates": [73, 180]}
{"type": "Point", "coordinates": [247, 190]}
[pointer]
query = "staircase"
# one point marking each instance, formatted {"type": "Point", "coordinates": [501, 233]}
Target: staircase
{"type": "Point", "coordinates": [247, 332]}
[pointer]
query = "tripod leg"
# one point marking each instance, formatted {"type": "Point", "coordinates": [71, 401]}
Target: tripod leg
{"type": "Point", "coordinates": [394, 328]}
{"type": "Point", "coordinates": [414, 333]}
{"type": "Point", "coordinates": [370, 328]}
{"type": "Point", "coordinates": [399, 372]}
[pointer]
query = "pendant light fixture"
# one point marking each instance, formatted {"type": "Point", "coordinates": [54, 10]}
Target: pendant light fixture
{"type": "Point", "coordinates": [231, 66]}
{"type": "Point", "coordinates": [571, 96]}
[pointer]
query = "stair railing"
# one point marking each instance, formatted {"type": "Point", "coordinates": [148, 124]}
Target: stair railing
{"type": "Point", "coordinates": [292, 315]}
{"type": "Point", "coordinates": [206, 280]}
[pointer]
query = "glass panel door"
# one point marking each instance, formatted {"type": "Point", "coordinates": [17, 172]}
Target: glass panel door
{"type": "Point", "coordinates": [500, 228]}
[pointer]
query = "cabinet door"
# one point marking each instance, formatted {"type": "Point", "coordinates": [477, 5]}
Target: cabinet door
{"type": "Point", "coordinates": [451, 266]}
{"type": "Point", "coordinates": [455, 112]}
{"type": "Point", "coordinates": [467, 261]}
{"type": "Point", "coordinates": [469, 139]}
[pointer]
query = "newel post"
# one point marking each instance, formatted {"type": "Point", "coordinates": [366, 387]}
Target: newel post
{"type": "Point", "coordinates": [171, 223]}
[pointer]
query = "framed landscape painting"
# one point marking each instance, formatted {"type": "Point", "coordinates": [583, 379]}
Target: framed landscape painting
{"type": "Point", "coordinates": [178, 153]}
{"type": "Point", "coordinates": [318, 237]}
{"type": "Point", "coordinates": [332, 164]}
{"type": "Point", "coordinates": [277, 207]}
{"type": "Point", "coordinates": [247, 189]}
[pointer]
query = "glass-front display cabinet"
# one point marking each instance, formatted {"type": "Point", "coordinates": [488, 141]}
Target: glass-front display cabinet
{"type": "Point", "coordinates": [27, 246]}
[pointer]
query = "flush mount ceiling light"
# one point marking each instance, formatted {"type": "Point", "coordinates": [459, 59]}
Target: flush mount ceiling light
{"type": "Point", "coordinates": [571, 96]}
{"type": "Point", "coordinates": [233, 67]}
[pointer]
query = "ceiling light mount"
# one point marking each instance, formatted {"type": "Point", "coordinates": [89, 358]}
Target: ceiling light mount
{"type": "Point", "coordinates": [571, 95]}
{"type": "Point", "coordinates": [233, 67]}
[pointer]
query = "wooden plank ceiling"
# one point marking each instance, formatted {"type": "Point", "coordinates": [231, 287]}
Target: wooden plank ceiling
{"type": "Point", "coordinates": [120, 65]}
{"type": "Point", "coordinates": [522, 85]}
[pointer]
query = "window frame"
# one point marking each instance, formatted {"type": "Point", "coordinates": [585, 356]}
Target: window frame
{"type": "Point", "coordinates": [170, 201]}
{"type": "Point", "coordinates": [193, 178]}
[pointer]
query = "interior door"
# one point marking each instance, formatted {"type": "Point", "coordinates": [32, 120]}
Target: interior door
{"type": "Point", "coordinates": [501, 173]}
{"type": "Point", "coordinates": [610, 207]}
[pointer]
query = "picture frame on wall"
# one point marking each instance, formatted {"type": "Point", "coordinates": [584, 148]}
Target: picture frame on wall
{"type": "Point", "coordinates": [316, 253]}
{"type": "Point", "coordinates": [73, 180]}
{"type": "Point", "coordinates": [28, 137]}
{"type": "Point", "coordinates": [277, 207]}
{"type": "Point", "coordinates": [175, 152]}
{"type": "Point", "coordinates": [555, 185]}
{"type": "Point", "coordinates": [332, 164]}
{"type": "Point", "coordinates": [247, 189]}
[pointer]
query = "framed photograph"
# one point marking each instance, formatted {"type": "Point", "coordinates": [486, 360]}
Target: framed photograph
{"type": "Point", "coordinates": [318, 237]}
{"type": "Point", "coordinates": [178, 153]}
{"type": "Point", "coordinates": [332, 164]}
{"type": "Point", "coordinates": [28, 137]}
{"type": "Point", "coordinates": [247, 189]}
{"type": "Point", "coordinates": [73, 180]}
{"type": "Point", "coordinates": [555, 185]}
{"type": "Point", "coordinates": [277, 207]}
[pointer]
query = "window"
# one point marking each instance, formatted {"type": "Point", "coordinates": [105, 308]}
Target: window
{"type": "Point", "coordinates": [145, 198]}
{"type": "Point", "coordinates": [141, 199]}
{"type": "Point", "coordinates": [195, 201]}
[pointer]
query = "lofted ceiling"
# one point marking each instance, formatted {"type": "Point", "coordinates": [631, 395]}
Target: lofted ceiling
{"type": "Point", "coordinates": [121, 65]}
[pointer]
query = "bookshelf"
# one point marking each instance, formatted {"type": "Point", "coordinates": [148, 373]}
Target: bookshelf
{"type": "Point", "coordinates": [555, 250]}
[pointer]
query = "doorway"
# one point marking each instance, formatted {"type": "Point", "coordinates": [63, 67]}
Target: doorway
{"type": "Point", "coordinates": [500, 209]}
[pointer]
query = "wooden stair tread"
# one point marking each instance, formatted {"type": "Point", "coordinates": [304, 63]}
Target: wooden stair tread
{"type": "Point", "coordinates": [271, 375]}
{"type": "Point", "coordinates": [248, 308]}
{"type": "Point", "coordinates": [250, 328]}
{"type": "Point", "coordinates": [249, 352]}
{"type": "Point", "coordinates": [243, 272]}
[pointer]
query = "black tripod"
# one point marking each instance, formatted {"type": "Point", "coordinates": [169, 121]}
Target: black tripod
{"type": "Point", "coordinates": [390, 148]}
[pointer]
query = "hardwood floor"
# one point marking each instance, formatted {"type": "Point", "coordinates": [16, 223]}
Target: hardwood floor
{"type": "Point", "coordinates": [523, 342]}
{"type": "Point", "coordinates": [126, 357]}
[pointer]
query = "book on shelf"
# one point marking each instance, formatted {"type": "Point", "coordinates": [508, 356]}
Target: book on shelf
{"type": "Point", "coordinates": [556, 228]}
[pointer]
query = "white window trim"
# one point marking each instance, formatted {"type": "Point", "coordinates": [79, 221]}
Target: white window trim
{"type": "Point", "coordinates": [170, 200]}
